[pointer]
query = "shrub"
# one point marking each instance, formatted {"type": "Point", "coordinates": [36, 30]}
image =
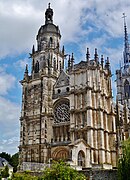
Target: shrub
{"type": "Point", "coordinates": [62, 171]}
{"type": "Point", "coordinates": [124, 162]}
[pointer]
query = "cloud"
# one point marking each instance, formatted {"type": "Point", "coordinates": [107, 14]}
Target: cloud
{"type": "Point", "coordinates": [18, 28]}
{"type": "Point", "coordinates": [9, 113]}
{"type": "Point", "coordinates": [10, 146]}
{"type": "Point", "coordinates": [21, 64]}
{"type": "Point", "coordinates": [9, 125]}
{"type": "Point", "coordinates": [7, 82]}
{"type": "Point", "coordinates": [20, 20]}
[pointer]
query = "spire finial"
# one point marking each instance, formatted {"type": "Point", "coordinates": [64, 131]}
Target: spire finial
{"type": "Point", "coordinates": [26, 69]}
{"type": "Point", "coordinates": [72, 60]}
{"type": "Point", "coordinates": [49, 15]}
{"type": "Point", "coordinates": [63, 50]}
{"type": "Point", "coordinates": [96, 55]}
{"type": "Point", "coordinates": [33, 49]}
{"type": "Point", "coordinates": [26, 72]}
{"type": "Point", "coordinates": [49, 4]}
{"type": "Point", "coordinates": [124, 16]}
{"type": "Point", "coordinates": [87, 55]}
{"type": "Point", "coordinates": [126, 42]}
{"type": "Point", "coordinates": [69, 61]}
{"type": "Point", "coordinates": [107, 65]}
{"type": "Point", "coordinates": [102, 60]}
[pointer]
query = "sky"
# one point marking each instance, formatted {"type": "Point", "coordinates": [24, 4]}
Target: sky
{"type": "Point", "coordinates": [83, 23]}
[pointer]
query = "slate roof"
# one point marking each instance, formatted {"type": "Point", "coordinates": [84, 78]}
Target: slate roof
{"type": "Point", "coordinates": [63, 80]}
{"type": "Point", "coordinates": [2, 161]}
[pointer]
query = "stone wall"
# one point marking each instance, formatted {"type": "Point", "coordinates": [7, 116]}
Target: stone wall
{"type": "Point", "coordinates": [35, 167]}
{"type": "Point", "coordinates": [100, 174]}
{"type": "Point", "coordinates": [92, 174]}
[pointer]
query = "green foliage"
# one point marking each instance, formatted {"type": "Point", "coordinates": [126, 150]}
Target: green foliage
{"type": "Point", "coordinates": [124, 162]}
{"type": "Point", "coordinates": [5, 172]}
{"type": "Point", "coordinates": [13, 160]}
{"type": "Point", "coordinates": [62, 171]}
{"type": "Point", "coordinates": [58, 171]}
{"type": "Point", "coordinates": [6, 156]}
{"type": "Point", "coordinates": [23, 176]}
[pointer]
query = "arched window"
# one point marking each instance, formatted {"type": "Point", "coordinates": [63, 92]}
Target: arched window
{"type": "Point", "coordinates": [67, 89]}
{"type": "Point", "coordinates": [37, 67]}
{"type": "Point", "coordinates": [60, 66]}
{"type": "Point", "coordinates": [127, 89]}
{"type": "Point", "coordinates": [59, 91]}
{"type": "Point", "coordinates": [32, 155]}
{"type": "Point", "coordinates": [51, 40]}
{"type": "Point", "coordinates": [81, 159]}
{"type": "Point", "coordinates": [54, 64]}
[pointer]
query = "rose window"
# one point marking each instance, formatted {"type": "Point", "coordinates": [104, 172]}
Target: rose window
{"type": "Point", "coordinates": [61, 112]}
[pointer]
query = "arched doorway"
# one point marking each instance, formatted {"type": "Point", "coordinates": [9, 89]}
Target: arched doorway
{"type": "Point", "coordinates": [81, 159]}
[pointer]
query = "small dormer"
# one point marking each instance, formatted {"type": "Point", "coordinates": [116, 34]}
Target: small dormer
{"type": "Point", "coordinates": [61, 86]}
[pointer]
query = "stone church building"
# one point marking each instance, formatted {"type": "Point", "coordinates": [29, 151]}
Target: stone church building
{"type": "Point", "coordinates": [68, 113]}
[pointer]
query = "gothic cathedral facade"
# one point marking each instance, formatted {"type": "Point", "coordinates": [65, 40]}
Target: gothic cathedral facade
{"type": "Point", "coordinates": [66, 113]}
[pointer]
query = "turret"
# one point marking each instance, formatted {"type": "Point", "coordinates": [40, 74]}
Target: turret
{"type": "Point", "coordinates": [87, 55]}
{"type": "Point", "coordinates": [107, 65]}
{"type": "Point", "coordinates": [33, 50]}
{"type": "Point", "coordinates": [49, 15]}
{"type": "Point", "coordinates": [102, 61]}
{"type": "Point", "coordinates": [26, 73]}
{"type": "Point", "coordinates": [69, 62]}
{"type": "Point", "coordinates": [96, 55]}
{"type": "Point", "coordinates": [72, 60]}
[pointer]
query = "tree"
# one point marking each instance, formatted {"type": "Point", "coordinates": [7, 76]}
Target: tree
{"type": "Point", "coordinates": [14, 161]}
{"type": "Point", "coordinates": [124, 162]}
{"type": "Point", "coordinates": [63, 171]}
{"type": "Point", "coordinates": [24, 176]}
{"type": "Point", "coordinates": [6, 156]}
{"type": "Point", "coordinates": [5, 172]}
{"type": "Point", "coordinates": [58, 171]}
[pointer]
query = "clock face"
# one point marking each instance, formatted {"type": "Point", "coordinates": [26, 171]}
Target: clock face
{"type": "Point", "coordinates": [61, 112]}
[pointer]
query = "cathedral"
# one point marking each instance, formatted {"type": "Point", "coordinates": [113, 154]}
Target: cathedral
{"type": "Point", "coordinates": [69, 113]}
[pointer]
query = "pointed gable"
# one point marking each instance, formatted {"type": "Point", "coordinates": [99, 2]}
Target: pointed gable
{"type": "Point", "coordinates": [63, 80]}
{"type": "Point", "coordinates": [80, 142]}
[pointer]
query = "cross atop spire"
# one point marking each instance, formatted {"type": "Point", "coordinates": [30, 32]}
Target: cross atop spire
{"type": "Point", "coordinates": [49, 5]}
{"type": "Point", "coordinates": [124, 16]}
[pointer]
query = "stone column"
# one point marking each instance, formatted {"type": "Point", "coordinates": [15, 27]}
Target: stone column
{"type": "Point", "coordinates": [89, 117]}
{"type": "Point", "coordinates": [81, 100]}
{"type": "Point", "coordinates": [89, 98]}
{"type": "Point", "coordinates": [101, 146]}
{"type": "Point", "coordinates": [87, 160]}
{"type": "Point", "coordinates": [90, 137]}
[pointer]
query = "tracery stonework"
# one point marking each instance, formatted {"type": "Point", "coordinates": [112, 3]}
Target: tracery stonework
{"type": "Point", "coordinates": [61, 112]}
{"type": "Point", "coordinates": [60, 153]}
{"type": "Point", "coordinates": [66, 114]}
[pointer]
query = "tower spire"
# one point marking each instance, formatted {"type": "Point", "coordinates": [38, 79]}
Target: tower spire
{"type": "Point", "coordinates": [126, 43]}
